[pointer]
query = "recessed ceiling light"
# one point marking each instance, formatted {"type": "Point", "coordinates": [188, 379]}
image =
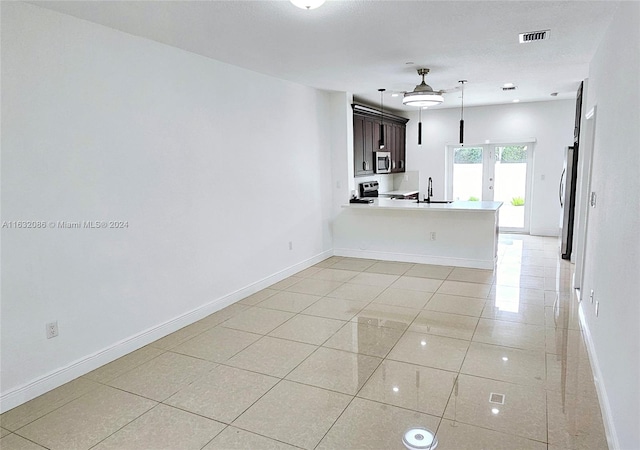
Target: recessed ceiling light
{"type": "Point", "coordinates": [504, 358]}
{"type": "Point", "coordinates": [508, 85]}
{"type": "Point", "coordinates": [516, 100]}
{"type": "Point", "coordinates": [395, 94]}
{"type": "Point", "coordinates": [395, 389]}
{"type": "Point", "coordinates": [423, 343]}
{"type": "Point", "coordinates": [495, 410]}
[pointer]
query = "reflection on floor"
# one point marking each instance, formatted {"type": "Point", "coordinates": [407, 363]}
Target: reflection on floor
{"type": "Point", "coordinates": [347, 354]}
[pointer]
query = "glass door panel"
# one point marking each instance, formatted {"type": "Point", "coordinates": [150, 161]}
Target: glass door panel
{"type": "Point", "coordinates": [467, 173]}
{"type": "Point", "coordinates": [510, 185]}
{"type": "Point", "coordinates": [493, 172]}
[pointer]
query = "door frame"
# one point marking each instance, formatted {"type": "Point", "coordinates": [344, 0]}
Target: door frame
{"type": "Point", "coordinates": [585, 162]}
{"type": "Point", "coordinates": [488, 174]}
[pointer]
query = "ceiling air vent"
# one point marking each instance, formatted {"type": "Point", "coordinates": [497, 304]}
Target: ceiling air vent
{"type": "Point", "coordinates": [534, 36]}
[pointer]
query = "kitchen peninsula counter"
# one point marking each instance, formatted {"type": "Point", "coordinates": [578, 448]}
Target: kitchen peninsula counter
{"type": "Point", "coordinates": [463, 234]}
{"type": "Point", "coordinates": [412, 205]}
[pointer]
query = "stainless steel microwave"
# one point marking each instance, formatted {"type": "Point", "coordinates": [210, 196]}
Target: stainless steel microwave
{"type": "Point", "coordinates": [383, 162]}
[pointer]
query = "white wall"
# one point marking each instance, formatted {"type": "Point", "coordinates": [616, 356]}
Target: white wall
{"type": "Point", "coordinates": [215, 168]}
{"type": "Point", "coordinates": [551, 123]}
{"type": "Point", "coordinates": [613, 245]}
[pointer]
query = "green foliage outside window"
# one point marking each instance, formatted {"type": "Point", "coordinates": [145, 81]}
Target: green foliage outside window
{"type": "Point", "coordinates": [513, 154]}
{"type": "Point", "coordinates": [468, 155]}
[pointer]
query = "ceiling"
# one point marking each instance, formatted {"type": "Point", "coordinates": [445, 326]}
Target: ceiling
{"type": "Point", "coordinates": [359, 46]}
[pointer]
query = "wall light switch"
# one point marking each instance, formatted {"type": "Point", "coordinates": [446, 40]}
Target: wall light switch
{"type": "Point", "coordinates": [593, 200]}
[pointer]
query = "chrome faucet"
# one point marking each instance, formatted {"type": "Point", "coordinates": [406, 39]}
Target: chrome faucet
{"type": "Point", "coordinates": [429, 190]}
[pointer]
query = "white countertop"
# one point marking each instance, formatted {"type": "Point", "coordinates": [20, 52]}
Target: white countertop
{"type": "Point", "coordinates": [405, 193]}
{"type": "Point", "coordinates": [411, 205]}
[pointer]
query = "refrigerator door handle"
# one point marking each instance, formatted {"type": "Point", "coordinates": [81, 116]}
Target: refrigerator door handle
{"type": "Point", "coordinates": [560, 188]}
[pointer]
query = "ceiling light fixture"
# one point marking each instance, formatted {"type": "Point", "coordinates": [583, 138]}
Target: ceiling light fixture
{"type": "Point", "coordinates": [516, 100]}
{"type": "Point", "coordinates": [307, 4]}
{"type": "Point", "coordinates": [462, 82]}
{"type": "Point", "coordinates": [423, 94]}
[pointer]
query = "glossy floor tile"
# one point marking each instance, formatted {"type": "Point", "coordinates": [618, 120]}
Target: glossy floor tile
{"type": "Point", "coordinates": [456, 304]}
{"type": "Point", "coordinates": [335, 370]}
{"type": "Point", "coordinates": [360, 337]}
{"type": "Point", "coordinates": [87, 420]}
{"type": "Point", "coordinates": [371, 425]}
{"type": "Point", "coordinates": [294, 413]}
{"type": "Point", "coordinates": [163, 376]}
{"type": "Point", "coordinates": [223, 394]}
{"type": "Point", "coordinates": [308, 329]}
{"type": "Point", "coordinates": [348, 354]}
{"type": "Point", "coordinates": [163, 428]}
{"type": "Point", "coordinates": [236, 439]}
{"type": "Point", "coordinates": [409, 386]}
{"type": "Point", "coordinates": [272, 356]}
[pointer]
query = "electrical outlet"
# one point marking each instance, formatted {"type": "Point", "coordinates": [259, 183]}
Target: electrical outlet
{"type": "Point", "coordinates": [433, 235]}
{"type": "Point", "coordinates": [591, 296]}
{"type": "Point", "coordinates": [593, 199]}
{"type": "Point", "coordinates": [290, 245]}
{"type": "Point", "coordinates": [52, 329]}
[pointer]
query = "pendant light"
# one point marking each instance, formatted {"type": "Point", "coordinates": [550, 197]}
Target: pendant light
{"type": "Point", "coordinates": [423, 94]}
{"type": "Point", "coordinates": [381, 141]}
{"type": "Point", "coordinates": [420, 127]}
{"type": "Point", "coordinates": [462, 82]}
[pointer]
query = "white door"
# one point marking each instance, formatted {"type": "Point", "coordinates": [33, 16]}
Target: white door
{"type": "Point", "coordinates": [494, 172]}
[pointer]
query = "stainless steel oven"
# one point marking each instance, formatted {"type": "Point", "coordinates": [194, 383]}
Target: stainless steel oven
{"type": "Point", "coordinates": [383, 162]}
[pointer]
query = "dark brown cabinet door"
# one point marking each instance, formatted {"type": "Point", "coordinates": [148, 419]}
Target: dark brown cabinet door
{"type": "Point", "coordinates": [358, 146]}
{"type": "Point", "coordinates": [362, 144]}
{"type": "Point", "coordinates": [400, 148]}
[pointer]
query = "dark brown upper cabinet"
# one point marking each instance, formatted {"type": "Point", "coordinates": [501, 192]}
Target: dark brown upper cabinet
{"type": "Point", "coordinates": [366, 137]}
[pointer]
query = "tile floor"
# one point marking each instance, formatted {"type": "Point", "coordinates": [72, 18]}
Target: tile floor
{"type": "Point", "coordinates": [349, 354]}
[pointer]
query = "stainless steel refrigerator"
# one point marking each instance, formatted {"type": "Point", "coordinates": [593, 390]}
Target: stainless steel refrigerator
{"type": "Point", "coordinates": [567, 194]}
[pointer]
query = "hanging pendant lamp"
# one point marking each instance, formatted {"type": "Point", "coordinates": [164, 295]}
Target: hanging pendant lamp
{"type": "Point", "coordinates": [420, 127]}
{"type": "Point", "coordinates": [462, 82]}
{"type": "Point", "coordinates": [381, 141]}
{"type": "Point", "coordinates": [423, 94]}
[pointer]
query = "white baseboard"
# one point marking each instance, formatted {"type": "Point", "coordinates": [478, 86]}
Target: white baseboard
{"type": "Point", "coordinates": [411, 258]}
{"type": "Point", "coordinates": [551, 232]}
{"type": "Point", "coordinates": [62, 375]}
{"type": "Point", "coordinates": [603, 399]}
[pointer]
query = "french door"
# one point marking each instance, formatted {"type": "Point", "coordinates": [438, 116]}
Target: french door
{"type": "Point", "coordinates": [494, 172]}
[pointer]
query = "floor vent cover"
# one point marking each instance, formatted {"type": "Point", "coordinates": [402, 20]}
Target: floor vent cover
{"type": "Point", "coordinates": [534, 36]}
{"type": "Point", "coordinates": [496, 398]}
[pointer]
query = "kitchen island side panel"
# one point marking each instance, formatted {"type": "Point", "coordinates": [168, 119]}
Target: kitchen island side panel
{"type": "Point", "coordinates": [462, 238]}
